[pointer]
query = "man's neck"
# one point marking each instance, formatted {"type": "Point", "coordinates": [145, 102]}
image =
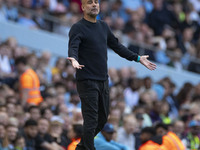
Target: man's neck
{"type": "Point", "coordinates": [90, 19]}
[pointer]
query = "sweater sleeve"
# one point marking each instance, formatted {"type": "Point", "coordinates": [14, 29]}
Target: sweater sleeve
{"type": "Point", "coordinates": [74, 41]}
{"type": "Point", "coordinates": [118, 48]}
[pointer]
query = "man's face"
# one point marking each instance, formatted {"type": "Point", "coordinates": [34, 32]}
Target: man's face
{"type": "Point", "coordinates": [90, 7]}
{"type": "Point", "coordinates": [35, 114]}
{"type": "Point", "coordinates": [145, 137]}
{"type": "Point", "coordinates": [129, 126]}
{"type": "Point", "coordinates": [12, 133]}
{"type": "Point", "coordinates": [161, 132]}
{"type": "Point", "coordinates": [43, 126]}
{"type": "Point", "coordinates": [108, 136]}
{"type": "Point", "coordinates": [32, 131]}
{"type": "Point", "coordinates": [20, 68]}
{"type": "Point", "coordinates": [20, 143]}
{"type": "Point", "coordinates": [195, 130]}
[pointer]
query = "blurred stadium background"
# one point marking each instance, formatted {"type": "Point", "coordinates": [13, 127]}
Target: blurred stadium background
{"type": "Point", "coordinates": [166, 30]}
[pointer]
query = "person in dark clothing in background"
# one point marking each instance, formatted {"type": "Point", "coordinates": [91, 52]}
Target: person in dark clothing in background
{"type": "Point", "coordinates": [88, 41]}
{"type": "Point", "coordinates": [161, 16]}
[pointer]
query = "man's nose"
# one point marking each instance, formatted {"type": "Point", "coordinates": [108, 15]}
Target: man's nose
{"type": "Point", "coordinates": [94, 4]}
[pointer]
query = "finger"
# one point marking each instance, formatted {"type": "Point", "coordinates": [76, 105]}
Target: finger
{"type": "Point", "coordinates": [69, 58]}
{"type": "Point", "coordinates": [80, 66]}
{"type": "Point", "coordinates": [151, 67]}
{"type": "Point", "coordinates": [146, 56]}
{"type": "Point", "coordinates": [153, 64]}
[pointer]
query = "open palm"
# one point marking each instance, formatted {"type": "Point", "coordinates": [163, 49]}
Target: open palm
{"type": "Point", "coordinates": [148, 64]}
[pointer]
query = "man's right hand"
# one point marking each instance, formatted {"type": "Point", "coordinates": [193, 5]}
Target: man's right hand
{"type": "Point", "coordinates": [75, 63]}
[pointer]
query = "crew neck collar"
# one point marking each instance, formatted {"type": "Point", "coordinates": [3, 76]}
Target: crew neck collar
{"type": "Point", "coordinates": [89, 22]}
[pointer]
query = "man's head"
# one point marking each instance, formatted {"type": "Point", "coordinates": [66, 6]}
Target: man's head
{"type": "Point", "coordinates": [20, 142]}
{"type": "Point", "coordinates": [31, 128]}
{"type": "Point", "coordinates": [130, 124]}
{"type": "Point", "coordinates": [108, 131]}
{"type": "Point", "coordinates": [194, 127]}
{"type": "Point", "coordinates": [34, 112]}
{"type": "Point", "coordinates": [147, 133]}
{"type": "Point", "coordinates": [11, 132]}
{"type": "Point", "coordinates": [90, 8]}
{"type": "Point", "coordinates": [178, 127]}
{"type": "Point", "coordinates": [43, 126]}
{"type": "Point", "coordinates": [161, 129]}
{"type": "Point", "coordinates": [20, 64]}
{"type": "Point", "coordinates": [75, 131]}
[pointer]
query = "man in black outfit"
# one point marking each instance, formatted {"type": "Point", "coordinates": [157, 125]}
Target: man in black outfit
{"type": "Point", "coordinates": [88, 41]}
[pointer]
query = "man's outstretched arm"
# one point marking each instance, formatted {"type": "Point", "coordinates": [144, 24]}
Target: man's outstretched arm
{"type": "Point", "coordinates": [124, 52]}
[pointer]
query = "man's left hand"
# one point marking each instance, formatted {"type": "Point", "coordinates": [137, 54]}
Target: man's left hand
{"type": "Point", "coordinates": [147, 63]}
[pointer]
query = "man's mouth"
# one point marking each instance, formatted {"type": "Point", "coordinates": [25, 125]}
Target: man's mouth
{"type": "Point", "coordinates": [94, 9]}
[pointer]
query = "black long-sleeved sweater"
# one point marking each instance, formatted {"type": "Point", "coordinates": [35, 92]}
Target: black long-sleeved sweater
{"type": "Point", "coordinates": [88, 45]}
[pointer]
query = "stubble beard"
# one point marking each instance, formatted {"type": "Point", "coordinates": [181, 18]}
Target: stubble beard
{"type": "Point", "coordinates": [93, 15]}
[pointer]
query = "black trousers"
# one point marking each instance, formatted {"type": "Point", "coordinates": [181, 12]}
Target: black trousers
{"type": "Point", "coordinates": [95, 109]}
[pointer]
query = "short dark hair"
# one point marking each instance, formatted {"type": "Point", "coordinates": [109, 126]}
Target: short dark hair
{"type": "Point", "coordinates": [30, 122]}
{"type": "Point", "coordinates": [20, 60]}
{"type": "Point", "coordinates": [161, 125]}
{"type": "Point", "coordinates": [32, 107]}
{"type": "Point", "coordinates": [78, 129]}
{"type": "Point", "coordinates": [150, 130]}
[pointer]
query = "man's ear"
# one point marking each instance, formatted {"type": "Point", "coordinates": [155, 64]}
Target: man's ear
{"type": "Point", "coordinates": [83, 7]}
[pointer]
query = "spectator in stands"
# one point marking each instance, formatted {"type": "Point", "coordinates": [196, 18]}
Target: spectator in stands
{"type": "Point", "coordinates": [193, 141]}
{"type": "Point", "coordinates": [10, 10]}
{"type": "Point", "coordinates": [155, 112]}
{"type": "Point", "coordinates": [44, 65]}
{"type": "Point", "coordinates": [131, 94]}
{"type": "Point", "coordinates": [187, 47]}
{"type": "Point", "coordinates": [47, 113]}
{"type": "Point", "coordinates": [11, 109]}
{"type": "Point", "coordinates": [5, 62]}
{"type": "Point", "coordinates": [156, 22]}
{"type": "Point", "coordinates": [29, 83]}
{"type": "Point", "coordinates": [60, 64]}
{"type": "Point", "coordinates": [170, 140]}
{"type": "Point", "coordinates": [150, 141]}
{"type": "Point", "coordinates": [56, 130]}
{"type": "Point", "coordinates": [33, 140]}
{"type": "Point", "coordinates": [11, 133]}
{"type": "Point", "coordinates": [34, 112]}
{"type": "Point", "coordinates": [32, 61]}
{"type": "Point", "coordinates": [184, 95]}
{"type": "Point", "coordinates": [103, 140]}
{"type": "Point", "coordinates": [43, 129]}
{"type": "Point", "coordinates": [75, 134]}
{"type": "Point", "coordinates": [178, 129]}
{"type": "Point", "coordinates": [3, 144]}
{"type": "Point", "coordinates": [125, 134]}
{"type": "Point", "coordinates": [74, 102]}
{"type": "Point", "coordinates": [4, 118]}
{"type": "Point", "coordinates": [194, 65]}
{"type": "Point", "coordinates": [2, 14]}
{"type": "Point", "coordinates": [164, 113]}
{"type": "Point", "coordinates": [51, 101]}
{"type": "Point", "coordinates": [26, 21]}
{"type": "Point", "coordinates": [20, 143]}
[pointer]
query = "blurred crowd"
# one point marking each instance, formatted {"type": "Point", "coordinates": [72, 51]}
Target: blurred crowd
{"type": "Point", "coordinates": [167, 30]}
{"type": "Point", "coordinates": [41, 109]}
